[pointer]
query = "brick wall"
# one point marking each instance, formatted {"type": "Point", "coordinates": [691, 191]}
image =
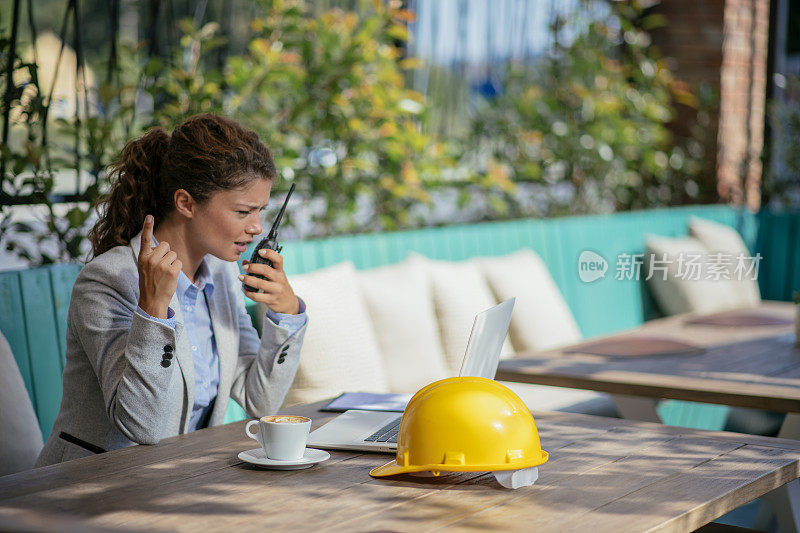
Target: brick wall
{"type": "Point", "coordinates": [723, 43]}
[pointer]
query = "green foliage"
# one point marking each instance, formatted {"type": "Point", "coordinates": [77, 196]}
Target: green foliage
{"type": "Point", "coordinates": [333, 109]}
{"type": "Point", "coordinates": [781, 183]}
{"type": "Point", "coordinates": [185, 87]}
{"type": "Point", "coordinates": [25, 162]}
{"type": "Point", "coordinates": [591, 120]}
{"type": "Point", "coordinates": [326, 91]}
{"type": "Point", "coordinates": [41, 148]}
{"type": "Point", "coordinates": [336, 112]}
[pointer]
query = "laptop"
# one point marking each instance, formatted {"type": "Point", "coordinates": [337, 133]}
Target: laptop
{"type": "Point", "coordinates": [376, 431]}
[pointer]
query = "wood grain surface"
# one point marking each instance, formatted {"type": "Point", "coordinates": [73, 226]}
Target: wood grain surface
{"type": "Point", "coordinates": [745, 366]}
{"type": "Point", "coordinates": [603, 474]}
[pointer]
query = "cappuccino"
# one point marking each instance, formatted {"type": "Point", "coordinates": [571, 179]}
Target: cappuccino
{"type": "Point", "coordinates": [285, 419]}
{"type": "Point", "coordinates": [283, 437]}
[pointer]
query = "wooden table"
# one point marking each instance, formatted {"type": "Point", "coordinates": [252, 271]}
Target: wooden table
{"type": "Point", "coordinates": [603, 475]}
{"type": "Point", "coordinates": [757, 367]}
{"type": "Point", "coordinates": [745, 366]}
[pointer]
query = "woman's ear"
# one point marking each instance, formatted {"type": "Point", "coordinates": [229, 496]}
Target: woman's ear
{"type": "Point", "coordinates": [184, 203]}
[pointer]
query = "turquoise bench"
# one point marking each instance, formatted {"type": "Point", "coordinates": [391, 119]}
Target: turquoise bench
{"type": "Point", "coordinates": [34, 302]}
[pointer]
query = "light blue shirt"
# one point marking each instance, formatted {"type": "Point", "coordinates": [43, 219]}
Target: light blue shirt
{"type": "Point", "coordinates": [193, 299]}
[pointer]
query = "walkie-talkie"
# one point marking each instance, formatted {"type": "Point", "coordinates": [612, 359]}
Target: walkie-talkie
{"type": "Point", "coordinates": [269, 242]}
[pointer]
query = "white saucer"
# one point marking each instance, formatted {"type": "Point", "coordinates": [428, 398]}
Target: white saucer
{"type": "Point", "coordinates": [257, 457]}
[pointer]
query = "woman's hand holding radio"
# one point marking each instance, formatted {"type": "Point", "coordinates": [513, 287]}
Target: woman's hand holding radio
{"type": "Point", "coordinates": [275, 289]}
{"type": "Point", "coordinates": [159, 268]}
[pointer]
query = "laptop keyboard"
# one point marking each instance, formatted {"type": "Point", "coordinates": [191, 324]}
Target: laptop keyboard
{"type": "Point", "coordinates": [387, 433]}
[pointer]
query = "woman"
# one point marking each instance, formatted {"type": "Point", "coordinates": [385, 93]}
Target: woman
{"type": "Point", "coordinates": [158, 338]}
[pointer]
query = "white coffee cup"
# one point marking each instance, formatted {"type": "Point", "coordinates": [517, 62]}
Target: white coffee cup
{"type": "Point", "coordinates": [283, 437]}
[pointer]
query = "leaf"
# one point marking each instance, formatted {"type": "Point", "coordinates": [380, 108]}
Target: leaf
{"type": "Point", "coordinates": [153, 67]}
{"type": "Point", "coordinates": [396, 31]}
{"type": "Point", "coordinates": [74, 246]}
{"type": "Point", "coordinates": [19, 165]}
{"type": "Point", "coordinates": [411, 63]}
{"type": "Point", "coordinates": [76, 217]}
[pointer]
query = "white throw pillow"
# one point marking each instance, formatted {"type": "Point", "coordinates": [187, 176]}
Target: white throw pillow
{"type": "Point", "coordinates": [460, 292]}
{"type": "Point", "coordinates": [399, 300]}
{"type": "Point", "coordinates": [676, 285]}
{"type": "Point", "coordinates": [541, 319]}
{"type": "Point", "coordinates": [340, 352]}
{"type": "Point", "coordinates": [20, 438]}
{"type": "Point", "coordinates": [721, 239]}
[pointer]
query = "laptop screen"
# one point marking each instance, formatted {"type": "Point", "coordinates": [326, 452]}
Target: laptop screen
{"type": "Point", "coordinates": [486, 341]}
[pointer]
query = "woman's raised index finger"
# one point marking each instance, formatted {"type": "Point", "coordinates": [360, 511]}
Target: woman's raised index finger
{"type": "Point", "coordinates": [147, 233]}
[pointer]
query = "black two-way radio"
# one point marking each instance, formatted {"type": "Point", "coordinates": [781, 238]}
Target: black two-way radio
{"type": "Point", "coordinates": [269, 242]}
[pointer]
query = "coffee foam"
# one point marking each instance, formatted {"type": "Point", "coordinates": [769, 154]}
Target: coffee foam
{"type": "Point", "coordinates": [285, 419]}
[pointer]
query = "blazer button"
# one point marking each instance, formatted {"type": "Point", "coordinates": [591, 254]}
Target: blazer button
{"type": "Point", "coordinates": [167, 355]}
{"type": "Point", "coordinates": [168, 348]}
{"type": "Point", "coordinates": [280, 360]}
{"type": "Point", "coordinates": [165, 363]}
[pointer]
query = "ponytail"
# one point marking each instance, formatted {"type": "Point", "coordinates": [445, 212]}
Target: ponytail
{"type": "Point", "coordinates": [136, 190]}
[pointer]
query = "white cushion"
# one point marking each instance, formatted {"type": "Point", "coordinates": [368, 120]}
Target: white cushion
{"type": "Point", "coordinates": [340, 352]}
{"type": "Point", "coordinates": [541, 319]}
{"type": "Point", "coordinates": [20, 436]}
{"type": "Point", "coordinates": [680, 292]}
{"type": "Point", "coordinates": [399, 300]}
{"type": "Point", "coordinates": [460, 292]}
{"type": "Point", "coordinates": [719, 238]}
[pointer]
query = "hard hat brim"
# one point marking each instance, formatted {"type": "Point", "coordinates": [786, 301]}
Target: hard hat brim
{"type": "Point", "coordinates": [392, 468]}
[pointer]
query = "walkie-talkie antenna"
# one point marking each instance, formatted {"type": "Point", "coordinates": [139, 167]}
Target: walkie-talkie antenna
{"type": "Point", "coordinates": [273, 232]}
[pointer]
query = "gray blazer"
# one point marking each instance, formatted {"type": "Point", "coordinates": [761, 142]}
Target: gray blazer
{"type": "Point", "coordinates": [119, 389]}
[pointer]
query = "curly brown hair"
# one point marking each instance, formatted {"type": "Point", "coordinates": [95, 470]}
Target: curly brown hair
{"type": "Point", "coordinates": [204, 154]}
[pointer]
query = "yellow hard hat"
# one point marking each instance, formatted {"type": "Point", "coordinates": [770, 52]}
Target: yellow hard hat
{"type": "Point", "coordinates": [465, 424]}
